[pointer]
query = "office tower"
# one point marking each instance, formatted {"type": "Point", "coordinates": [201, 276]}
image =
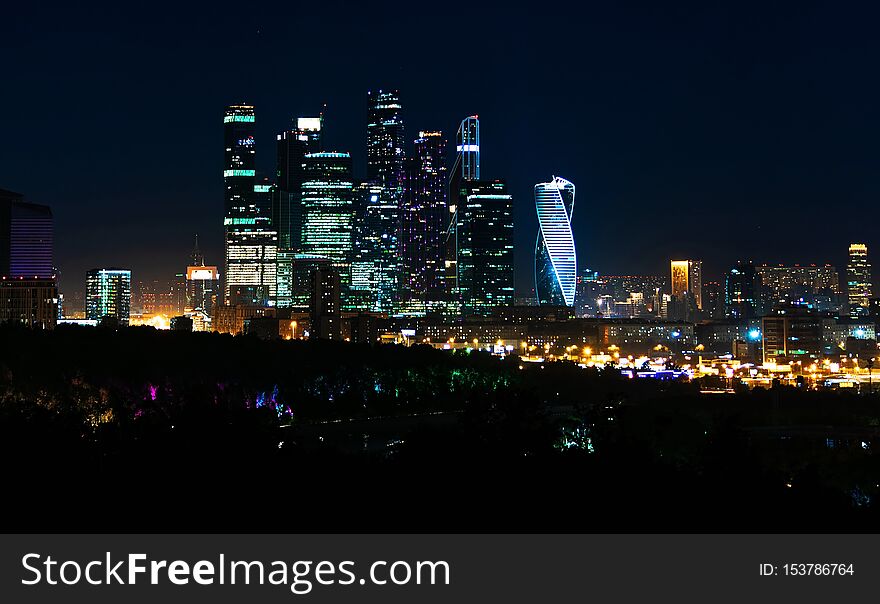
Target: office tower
{"type": "Point", "coordinates": [108, 294]}
{"type": "Point", "coordinates": [385, 155]}
{"type": "Point", "coordinates": [294, 278]}
{"type": "Point", "coordinates": [424, 220]}
{"type": "Point", "coordinates": [485, 247]}
{"type": "Point", "coordinates": [586, 293]}
{"type": "Point", "coordinates": [375, 264]}
{"type": "Point", "coordinates": [858, 280]}
{"type": "Point", "coordinates": [293, 145]}
{"type": "Point", "coordinates": [28, 288]}
{"type": "Point", "coordinates": [250, 241]}
{"type": "Point", "coordinates": [713, 300]}
{"type": "Point", "coordinates": [202, 283]}
{"type": "Point", "coordinates": [792, 333]}
{"type": "Point", "coordinates": [741, 291]}
{"type": "Point", "coordinates": [465, 169]}
{"type": "Point", "coordinates": [555, 256]}
{"type": "Point", "coordinates": [687, 280]}
{"type": "Point", "coordinates": [328, 210]}
{"type": "Point", "coordinates": [325, 304]}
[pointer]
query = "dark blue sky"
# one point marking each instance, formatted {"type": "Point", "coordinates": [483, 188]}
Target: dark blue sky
{"type": "Point", "coordinates": [714, 130]}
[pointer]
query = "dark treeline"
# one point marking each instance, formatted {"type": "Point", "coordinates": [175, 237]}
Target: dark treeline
{"type": "Point", "coordinates": [138, 429]}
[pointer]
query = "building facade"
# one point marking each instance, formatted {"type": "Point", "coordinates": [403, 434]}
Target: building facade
{"type": "Point", "coordinates": [108, 294]}
{"type": "Point", "coordinates": [555, 255]}
{"type": "Point", "coordinates": [292, 147]}
{"type": "Point", "coordinates": [858, 280]}
{"type": "Point", "coordinates": [376, 261]}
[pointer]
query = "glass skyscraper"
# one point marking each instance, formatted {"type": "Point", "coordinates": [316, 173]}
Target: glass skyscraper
{"type": "Point", "coordinates": [465, 169]}
{"type": "Point", "coordinates": [328, 210]}
{"type": "Point", "coordinates": [293, 145]}
{"type": "Point", "coordinates": [385, 153]}
{"type": "Point", "coordinates": [424, 221]}
{"type": "Point", "coordinates": [108, 294]}
{"type": "Point", "coordinates": [485, 247]}
{"type": "Point", "coordinates": [251, 243]}
{"type": "Point", "coordinates": [555, 256]}
{"type": "Point", "coordinates": [375, 266]}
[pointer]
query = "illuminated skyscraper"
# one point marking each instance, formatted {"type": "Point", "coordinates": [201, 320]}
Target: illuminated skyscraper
{"type": "Point", "coordinates": [385, 155]}
{"type": "Point", "coordinates": [858, 280]}
{"type": "Point", "coordinates": [485, 247]}
{"type": "Point", "coordinates": [108, 294]}
{"type": "Point", "coordinates": [328, 210]}
{"type": "Point", "coordinates": [293, 145]}
{"type": "Point", "coordinates": [741, 287]}
{"type": "Point", "coordinates": [375, 265]}
{"type": "Point", "coordinates": [555, 256]}
{"type": "Point", "coordinates": [465, 169]}
{"type": "Point", "coordinates": [687, 280]}
{"type": "Point", "coordinates": [251, 243]}
{"type": "Point", "coordinates": [424, 220]}
{"type": "Point", "coordinates": [28, 290]}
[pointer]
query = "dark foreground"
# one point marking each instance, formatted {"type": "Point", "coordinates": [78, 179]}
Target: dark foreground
{"type": "Point", "coordinates": [139, 430]}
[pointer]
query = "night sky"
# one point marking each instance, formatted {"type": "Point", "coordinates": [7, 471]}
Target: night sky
{"type": "Point", "coordinates": [705, 130]}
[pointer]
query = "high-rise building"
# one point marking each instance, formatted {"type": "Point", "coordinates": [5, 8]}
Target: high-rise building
{"type": "Point", "coordinates": [587, 292]}
{"type": "Point", "coordinates": [293, 145]}
{"type": "Point", "coordinates": [465, 169]}
{"type": "Point", "coordinates": [251, 243]}
{"type": "Point", "coordinates": [858, 280]}
{"type": "Point", "coordinates": [555, 255]}
{"type": "Point", "coordinates": [424, 221]}
{"type": "Point", "coordinates": [375, 264]}
{"type": "Point", "coordinates": [385, 140]}
{"type": "Point", "coordinates": [687, 280]}
{"type": "Point", "coordinates": [28, 288]}
{"type": "Point", "coordinates": [328, 210]}
{"type": "Point", "coordinates": [202, 284]}
{"type": "Point", "coordinates": [325, 310]}
{"type": "Point", "coordinates": [294, 278]}
{"type": "Point", "coordinates": [108, 294]}
{"type": "Point", "coordinates": [485, 247]}
{"type": "Point", "coordinates": [741, 291]}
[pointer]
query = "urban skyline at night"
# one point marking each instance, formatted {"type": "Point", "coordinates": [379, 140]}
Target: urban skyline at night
{"type": "Point", "coordinates": [622, 130]}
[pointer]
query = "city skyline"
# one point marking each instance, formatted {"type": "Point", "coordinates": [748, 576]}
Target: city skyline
{"type": "Point", "coordinates": [770, 138]}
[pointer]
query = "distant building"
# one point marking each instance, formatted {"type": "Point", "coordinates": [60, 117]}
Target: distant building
{"type": "Point", "coordinates": [817, 287]}
{"type": "Point", "coordinates": [555, 255]}
{"type": "Point", "coordinates": [385, 140]}
{"type": "Point", "coordinates": [586, 293]}
{"type": "Point", "coordinates": [858, 280]}
{"type": "Point", "coordinates": [28, 286]}
{"type": "Point", "coordinates": [713, 300]}
{"type": "Point", "coordinates": [292, 146]}
{"type": "Point", "coordinates": [295, 278]}
{"type": "Point", "coordinates": [251, 242]}
{"type": "Point", "coordinates": [485, 246]}
{"type": "Point", "coordinates": [792, 334]}
{"type": "Point", "coordinates": [108, 294]}
{"type": "Point", "coordinates": [328, 210]}
{"type": "Point", "coordinates": [741, 291]}
{"type": "Point", "coordinates": [376, 261]}
{"type": "Point", "coordinates": [424, 221]}
{"type": "Point", "coordinates": [687, 286]}
{"type": "Point", "coordinates": [465, 169]}
{"type": "Point", "coordinates": [325, 308]}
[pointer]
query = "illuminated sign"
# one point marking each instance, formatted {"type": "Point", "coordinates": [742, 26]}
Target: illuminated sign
{"type": "Point", "coordinates": [408, 333]}
{"type": "Point", "coordinates": [228, 221]}
{"type": "Point", "coordinates": [262, 188]}
{"type": "Point", "coordinates": [238, 118]}
{"type": "Point", "coordinates": [227, 173]}
{"type": "Point", "coordinates": [468, 148]}
{"type": "Point", "coordinates": [202, 273]}
{"type": "Point", "coordinates": [309, 123]}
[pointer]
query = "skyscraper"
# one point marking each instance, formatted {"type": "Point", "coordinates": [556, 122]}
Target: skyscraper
{"type": "Point", "coordinates": [465, 169]}
{"type": "Point", "coordinates": [202, 283]}
{"type": "Point", "coordinates": [293, 145]}
{"type": "Point", "coordinates": [28, 290]}
{"type": "Point", "coordinates": [325, 304]}
{"type": "Point", "coordinates": [485, 246]}
{"type": "Point", "coordinates": [328, 211]}
{"type": "Point", "coordinates": [858, 280]}
{"type": "Point", "coordinates": [741, 291]}
{"type": "Point", "coordinates": [687, 280]}
{"type": "Point", "coordinates": [385, 153]}
{"type": "Point", "coordinates": [108, 294]}
{"type": "Point", "coordinates": [251, 243]}
{"type": "Point", "coordinates": [555, 256]}
{"type": "Point", "coordinates": [375, 264]}
{"type": "Point", "coordinates": [424, 220]}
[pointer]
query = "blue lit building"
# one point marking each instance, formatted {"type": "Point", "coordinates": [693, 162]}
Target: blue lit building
{"type": "Point", "coordinates": [465, 170]}
{"type": "Point", "coordinates": [376, 262]}
{"type": "Point", "coordinates": [555, 256]}
{"type": "Point", "coordinates": [292, 146]}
